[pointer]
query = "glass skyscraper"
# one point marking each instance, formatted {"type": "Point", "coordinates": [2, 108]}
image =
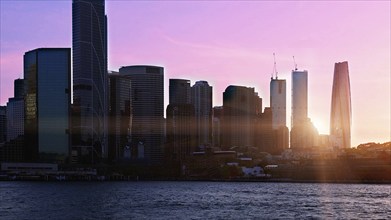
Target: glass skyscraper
{"type": "Point", "coordinates": [47, 74]}
{"type": "Point", "coordinates": [90, 80]}
{"type": "Point", "coordinates": [341, 108]}
{"type": "Point", "coordinates": [148, 111]}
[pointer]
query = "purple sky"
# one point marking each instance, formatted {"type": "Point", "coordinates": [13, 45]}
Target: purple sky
{"type": "Point", "coordinates": [230, 43]}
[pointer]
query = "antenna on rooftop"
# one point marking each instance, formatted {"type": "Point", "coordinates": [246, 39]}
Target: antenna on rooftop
{"type": "Point", "coordinates": [275, 66]}
{"type": "Point", "coordinates": [294, 62]}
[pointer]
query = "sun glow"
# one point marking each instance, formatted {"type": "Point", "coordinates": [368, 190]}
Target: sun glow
{"type": "Point", "coordinates": [321, 125]}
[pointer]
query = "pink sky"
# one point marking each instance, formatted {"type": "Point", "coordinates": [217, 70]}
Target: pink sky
{"type": "Point", "coordinates": [230, 43]}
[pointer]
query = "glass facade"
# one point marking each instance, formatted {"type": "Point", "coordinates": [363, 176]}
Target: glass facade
{"type": "Point", "coordinates": [90, 83]}
{"type": "Point", "coordinates": [47, 103]}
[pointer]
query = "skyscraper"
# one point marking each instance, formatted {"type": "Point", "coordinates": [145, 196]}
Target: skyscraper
{"type": "Point", "coordinates": [278, 102]}
{"type": "Point", "coordinates": [148, 106]}
{"type": "Point", "coordinates": [180, 137]}
{"type": "Point", "coordinates": [278, 108]}
{"type": "Point", "coordinates": [341, 109]}
{"type": "Point", "coordinates": [47, 74]}
{"type": "Point", "coordinates": [239, 116]}
{"type": "Point", "coordinates": [299, 97]}
{"type": "Point", "coordinates": [303, 132]}
{"type": "Point", "coordinates": [179, 91]}
{"type": "Point", "coordinates": [3, 124]}
{"type": "Point", "coordinates": [201, 98]}
{"type": "Point", "coordinates": [90, 83]}
{"type": "Point", "coordinates": [120, 116]}
{"type": "Point", "coordinates": [19, 88]}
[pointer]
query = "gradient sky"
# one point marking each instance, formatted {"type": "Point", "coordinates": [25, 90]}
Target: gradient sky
{"type": "Point", "coordinates": [230, 43]}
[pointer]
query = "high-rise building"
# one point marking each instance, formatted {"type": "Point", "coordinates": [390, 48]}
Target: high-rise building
{"type": "Point", "coordinates": [148, 106]}
{"type": "Point", "coordinates": [299, 97]}
{"type": "Point", "coordinates": [239, 116]}
{"type": "Point", "coordinates": [179, 91]}
{"type": "Point", "coordinates": [278, 107]}
{"type": "Point", "coordinates": [278, 102]}
{"type": "Point", "coordinates": [15, 118]}
{"type": "Point", "coordinates": [180, 126]}
{"type": "Point", "coordinates": [47, 74]}
{"type": "Point", "coordinates": [3, 124]}
{"type": "Point", "coordinates": [18, 88]}
{"type": "Point", "coordinates": [201, 98]}
{"type": "Point", "coordinates": [90, 83]}
{"type": "Point", "coordinates": [341, 108]}
{"type": "Point", "coordinates": [120, 116]}
{"type": "Point", "coordinates": [218, 114]}
{"type": "Point", "coordinates": [303, 133]}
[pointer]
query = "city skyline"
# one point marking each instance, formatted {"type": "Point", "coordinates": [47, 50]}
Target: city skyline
{"type": "Point", "coordinates": [225, 57]}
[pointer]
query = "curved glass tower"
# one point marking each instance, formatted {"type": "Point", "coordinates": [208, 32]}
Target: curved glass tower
{"type": "Point", "coordinates": [341, 109]}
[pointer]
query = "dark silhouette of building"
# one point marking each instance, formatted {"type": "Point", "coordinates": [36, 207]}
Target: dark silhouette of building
{"type": "Point", "coordinates": [19, 88]}
{"type": "Point", "coordinates": [90, 83]}
{"type": "Point", "coordinates": [180, 131]}
{"type": "Point", "coordinates": [148, 116]}
{"type": "Point", "coordinates": [201, 98]}
{"type": "Point", "coordinates": [218, 114]}
{"type": "Point", "coordinates": [47, 74]}
{"type": "Point", "coordinates": [180, 126]}
{"type": "Point", "coordinates": [179, 91]}
{"type": "Point", "coordinates": [3, 124]}
{"type": "Point", "coordinates": [341, 108]}
{"type": "Point", "coordinates": [239, 116]}
{"type": "Point", "coordinates": [120, 117]}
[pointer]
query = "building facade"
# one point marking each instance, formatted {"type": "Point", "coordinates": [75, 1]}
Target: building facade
{"type": "Point", "coordinates": [239, 116]}
{"type": "Point", "coordinates": [201, 98]}
{"type": "Point", "coordinates": [179, 91]}
{"type": "Point", "coordinates": [90, 80]}
{"type": "Point", "coordinates": [120, 116]}
{"type": "Point", "coordinates": [3, 124]}
{"type": "Point", "coordinates": [148, 111]}
{"type": "Point", "coordinates": [278, 102]}
{"type": "Point", "coordinates": [341, 108]}
{"type": "Point", "coordinates": [47, 74]}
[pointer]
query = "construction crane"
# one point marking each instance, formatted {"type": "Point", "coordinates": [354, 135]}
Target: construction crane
{"type": "Point", "coordinates": [294, 63]}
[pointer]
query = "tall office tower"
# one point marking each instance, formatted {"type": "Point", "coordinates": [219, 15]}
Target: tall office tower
{"type": "Point", "coordinates": [299, 97]}
{"type": "Point", "coordinates": [47, 74]}
{"type": "Point", "coordinates": [148, 106]}
{"type": "Point", "coordinates": [19, 88]}
{"type": "Point", "coordinates": [179, 91]}
{"type": "Point", "coordinates": [239, 116]}
{"type": "Point", "coordinates": [120, 116]}
{"type": "Point", "coordinates": [278, 107]}
{"type": "Point", "coordinates": [180, 133]}
{"type": "Point", "coordinates": [3, 124]}
{"type": "Point", "coordinates": [303, 133]}
{"type": "Point", "coordinates": [218, 114]}
{"type": "Point", "coordinates": [201, 98]}
{"type": "Point", "coordinates": [341, 108]}
{"type": "Point", "coordinates": [278, 102]}
{"type": "Point", "coordinates": [15, 118]}
{"type": "Point", "coordinates": [90, 83]}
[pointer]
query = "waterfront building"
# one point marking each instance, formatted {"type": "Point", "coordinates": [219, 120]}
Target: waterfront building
{"type": "Point", "coordinates": [201, 98]}
{"type": "Point", "coordinates": [239, 116]}
{"type": "Point", "coordinates": [179, 91]}
{"type": "Point", "coordinates": [3, 124]}
{"type": "Point", "coordinates": [341, 108]}
{"type": "Point", "coordinates": [303, 133]}
{"type": "Point", "coordinates": [120, 116]}
{"type": "Point", "coordinates": [90, 83]}
{"type": "Point", "coordinates": [148, 111]}
{"type": "Point", "coordinates": [15, 118]}
{"type": "Point", "coordinates": [218, 113]}
{"type": "Point", "coordinates": [278, 102]}
{"type": "Point", "coordinates": [47, 74]}
{"type": "Point", "coordinates": [18, 88]}
{"type": "Point", "coordinates": [278, 107]}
